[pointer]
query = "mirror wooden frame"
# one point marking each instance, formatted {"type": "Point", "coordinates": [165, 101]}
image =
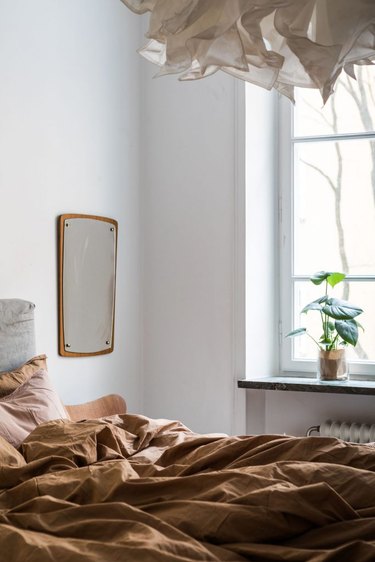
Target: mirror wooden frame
{"type": "Point", "coordinates": [66, 301]}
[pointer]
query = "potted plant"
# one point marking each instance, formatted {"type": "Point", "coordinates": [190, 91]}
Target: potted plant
{"type": "Point", "coordinates": [339, 327]}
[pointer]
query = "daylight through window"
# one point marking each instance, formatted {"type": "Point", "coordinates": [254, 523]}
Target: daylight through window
{"type": "Point", "coordinates": [327, 165]}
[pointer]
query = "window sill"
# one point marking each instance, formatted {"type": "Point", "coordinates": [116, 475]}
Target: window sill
{"type": "Point", "coordinates": [305, 384]}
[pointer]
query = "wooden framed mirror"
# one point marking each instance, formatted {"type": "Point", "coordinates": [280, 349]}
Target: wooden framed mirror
{"type": "Point", "coordinates": [87, 284]}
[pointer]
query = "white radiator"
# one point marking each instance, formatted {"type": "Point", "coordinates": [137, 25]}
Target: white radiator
{"type": "Point", "coordinates": [347, 431]}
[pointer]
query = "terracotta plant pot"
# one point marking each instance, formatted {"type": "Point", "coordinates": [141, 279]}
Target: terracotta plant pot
{"type": "Point", "coordinates": [332, 365]}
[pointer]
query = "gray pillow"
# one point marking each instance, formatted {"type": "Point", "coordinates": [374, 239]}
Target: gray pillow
{"type": "Point", "coordinates": [17, 335]}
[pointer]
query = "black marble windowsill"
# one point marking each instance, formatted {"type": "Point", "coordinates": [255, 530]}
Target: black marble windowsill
{"type": "Point", "coordinates": [302, 384]}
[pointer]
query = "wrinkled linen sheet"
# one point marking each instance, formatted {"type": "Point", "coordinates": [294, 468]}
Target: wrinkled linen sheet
{"type": "Point", "coordinates": [128, 488]}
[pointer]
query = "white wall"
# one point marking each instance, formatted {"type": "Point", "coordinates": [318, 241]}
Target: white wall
{"type": "Point", "coordinates": [69, 142]}
{"type": "Point", "coordinates": [261, 233]}
{"type": "Point", "coordinates": [294, 412]}
{"type": "Point", "coordinates": [188, 209]}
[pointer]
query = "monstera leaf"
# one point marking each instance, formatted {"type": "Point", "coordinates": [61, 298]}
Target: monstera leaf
{"type": "Point", "coordinates": [332, 277]}
{"type": "Point", "coordinates": [315, 305]}
{"type": "Point", "coordinates": [340, 310]}
{"type": "Point", "coordinates": [337, 316]}
{"type": "Point", "coordinates": [297, 332]}
{"type": "Point", "coordinates": [347, 330]}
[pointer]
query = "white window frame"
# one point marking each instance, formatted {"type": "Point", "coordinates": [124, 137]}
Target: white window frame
{"type": "Point", "coordinates": [288, 365]}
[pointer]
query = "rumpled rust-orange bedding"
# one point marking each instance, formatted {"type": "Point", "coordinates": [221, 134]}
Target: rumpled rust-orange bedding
{"type": "Point", "coordinates": [128, 488]}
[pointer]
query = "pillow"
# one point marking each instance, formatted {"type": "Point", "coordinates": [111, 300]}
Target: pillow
{"type": "Point", "coordinates": [31, 401]}
{"type": "Point", "coordinates": [11, 380]}
{"type": "Point", "coordinates": [17, 338]}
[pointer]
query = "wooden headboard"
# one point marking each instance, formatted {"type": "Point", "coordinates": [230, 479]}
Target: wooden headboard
{"type": "Point", "coordinates": [99, 408]}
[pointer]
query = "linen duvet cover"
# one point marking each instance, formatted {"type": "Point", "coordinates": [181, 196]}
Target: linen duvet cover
{"type": "Point", "coordinates": [129, 488]}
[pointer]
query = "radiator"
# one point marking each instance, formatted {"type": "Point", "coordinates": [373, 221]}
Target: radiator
{"type": "Point", "coordinates": [347, 431]}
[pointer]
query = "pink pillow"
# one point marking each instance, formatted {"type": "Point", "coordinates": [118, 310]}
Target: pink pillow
{"type": "Point", "coordinates": [32, 403]}
{"type": "Point", "coordinates": [11, 380]}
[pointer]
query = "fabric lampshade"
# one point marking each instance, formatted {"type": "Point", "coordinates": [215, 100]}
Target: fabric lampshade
{"type": "Point", "coordinates": [272, 43]}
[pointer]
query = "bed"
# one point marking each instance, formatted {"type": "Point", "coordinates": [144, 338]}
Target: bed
{"type": "Point", "coordinates": [118, 486]}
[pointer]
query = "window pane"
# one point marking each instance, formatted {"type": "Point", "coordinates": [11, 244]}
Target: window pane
{"type": "Point", "coordinates": [361, 294]}
{"type": "Point", "coordinates": [334, 211]}
{"type": "Point", "coordinates": [347, 111]}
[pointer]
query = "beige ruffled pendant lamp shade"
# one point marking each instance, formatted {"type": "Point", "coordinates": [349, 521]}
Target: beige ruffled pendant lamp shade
{"type": "Point", "coordinates": [272, 43]}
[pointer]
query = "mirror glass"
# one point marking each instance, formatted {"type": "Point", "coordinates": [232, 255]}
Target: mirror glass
{"type": "Point", "coordinates": [87, 284]}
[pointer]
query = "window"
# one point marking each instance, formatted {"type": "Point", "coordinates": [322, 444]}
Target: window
{"type": "Point", "coordinates": [327, 199]}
